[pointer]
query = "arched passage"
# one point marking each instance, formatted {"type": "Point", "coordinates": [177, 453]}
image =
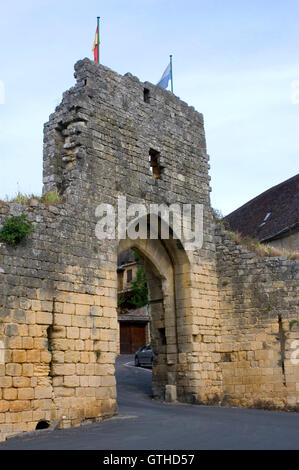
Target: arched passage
{"type": "Point", "coordinates": [167, 270]}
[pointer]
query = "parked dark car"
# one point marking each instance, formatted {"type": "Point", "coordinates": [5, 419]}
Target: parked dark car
{"type": "Point", "coordinates": [144, 356]}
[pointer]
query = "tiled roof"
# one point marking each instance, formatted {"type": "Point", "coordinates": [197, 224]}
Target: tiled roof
{"type": "Point", "coordinates": [125, 257]}
{"type": "Point", "coordinates": [269, 215]}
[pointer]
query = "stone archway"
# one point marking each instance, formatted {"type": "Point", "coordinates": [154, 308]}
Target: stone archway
{"type": "Point", "coordinates": [167, 270]}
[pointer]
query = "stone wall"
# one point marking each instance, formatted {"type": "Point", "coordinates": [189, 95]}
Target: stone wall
{"type": "Point", "coordinates": [259, 327]}
{"type": "Point", "coordinates": [54, 320]}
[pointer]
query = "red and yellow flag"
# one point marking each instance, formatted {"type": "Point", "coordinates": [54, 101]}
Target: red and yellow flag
{"type": "Point", "coordinates": [96, 46]}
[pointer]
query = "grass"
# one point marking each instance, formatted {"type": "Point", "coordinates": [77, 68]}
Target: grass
{"type": "Point", "coordinates": [262, 249]}
{"type": "Point", "coordinates": [52, 197]}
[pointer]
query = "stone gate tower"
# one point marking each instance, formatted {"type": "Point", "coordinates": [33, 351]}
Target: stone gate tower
{"type": "Point", "coordinates": [115, 137]}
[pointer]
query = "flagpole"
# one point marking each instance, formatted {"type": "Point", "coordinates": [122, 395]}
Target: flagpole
{"type": "Point", "coordinates": [98, 38]}
{"type": "Point", "coordinates": [171, 78]}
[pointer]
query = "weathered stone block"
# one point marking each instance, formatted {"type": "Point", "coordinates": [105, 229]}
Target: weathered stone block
{"type": "Point", "coordinates": [33, 356]}
{"type": "Point", "coordinates": [45, 317]}
{"type": "Point", "coordinates": [10, 393]}
{"type": "Point", "coordinates": [25, 393]}
{"type": "Point", "coordinates": [13, 369]}
{"type": "Point", "coordinates": [43, 392]}
{"type": "Point", "coordinates": [21, 382]}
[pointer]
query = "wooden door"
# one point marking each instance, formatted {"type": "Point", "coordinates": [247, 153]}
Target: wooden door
{"type": "Point", "coordinates": [138, 337]}
{"type": "Point", "coordinates": [125, 339]}
{"type": "Point", "coordinates": [132, 337]}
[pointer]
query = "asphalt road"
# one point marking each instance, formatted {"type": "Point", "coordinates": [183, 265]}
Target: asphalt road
{"type": "Point", "coordinates": [146, 424]}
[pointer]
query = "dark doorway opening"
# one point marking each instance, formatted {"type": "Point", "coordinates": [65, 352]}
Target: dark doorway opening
{"type": "Point", "coordinates": [42, 425]}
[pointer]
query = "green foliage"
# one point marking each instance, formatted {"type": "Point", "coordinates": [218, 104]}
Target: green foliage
{"type": "Point", "coordinates": [121, 299]}
{"type": "Point", "coordinates": [137, 296]}
{"type": "Point", "coordinates": [139, 289]}
{"type": "Point", "coordinates": [15, 229]}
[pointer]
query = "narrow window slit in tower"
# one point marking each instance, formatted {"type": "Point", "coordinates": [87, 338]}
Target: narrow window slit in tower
{"type": "Point", "coordinates": [146, 95]}
{"type": "Point", "coordinates": [154, 161]}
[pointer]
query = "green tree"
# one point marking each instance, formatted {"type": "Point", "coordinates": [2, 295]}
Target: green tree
{"type": "Point", "coordinates": [139, 289]}
{"type": "Point", "coordinates": [15, 229]}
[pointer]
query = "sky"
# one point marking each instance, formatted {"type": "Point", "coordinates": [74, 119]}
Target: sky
{"type": "Point", "coordinates": [237, 62]}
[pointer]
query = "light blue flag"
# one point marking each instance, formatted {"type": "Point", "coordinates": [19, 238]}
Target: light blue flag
{"type": "Point", "coordinates": [164, 80]}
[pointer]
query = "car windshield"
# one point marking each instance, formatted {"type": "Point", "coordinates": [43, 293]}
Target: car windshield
{"type": "Point", "coordinates": [146, 347]}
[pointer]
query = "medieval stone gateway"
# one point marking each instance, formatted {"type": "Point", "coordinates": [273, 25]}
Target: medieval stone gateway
{"type": "Point", "coordinates": [224, 321]}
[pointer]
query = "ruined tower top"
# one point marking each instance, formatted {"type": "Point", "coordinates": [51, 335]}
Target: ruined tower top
{"type": "Point", "coordinates": [113, 133]}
